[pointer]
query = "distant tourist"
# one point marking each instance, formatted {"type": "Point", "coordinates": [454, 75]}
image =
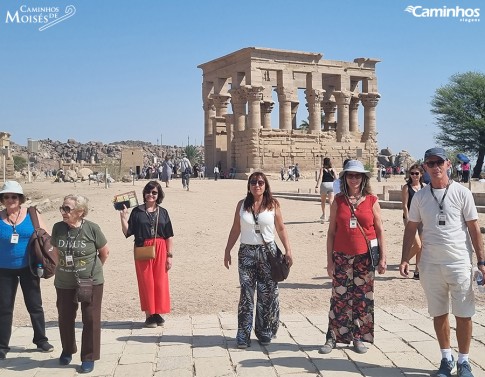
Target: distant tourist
{"type": "Point", "coordinates": [326, 175]}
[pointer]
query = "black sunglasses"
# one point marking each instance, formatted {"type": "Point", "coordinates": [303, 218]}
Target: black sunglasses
{"type": "Point", "coordinates": [257, 182]}
{"type": "Point", "coordinates": [154, 193]}
{"type": "Point", "coordinates": [66, 209]}
{"type": "Point", "coordinates": [432, 164]}
{"type": "Point", "coordinates": [414, 173]}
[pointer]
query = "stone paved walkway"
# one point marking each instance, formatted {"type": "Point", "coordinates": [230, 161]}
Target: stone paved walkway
{"type": "Point", "coordinates": [204, 346]}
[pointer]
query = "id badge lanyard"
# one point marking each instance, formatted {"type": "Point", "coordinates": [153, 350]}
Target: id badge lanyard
{"type": "Point", "coordinates": [14, 238]}
{"type": "Point", "coordinates": [441, 215]}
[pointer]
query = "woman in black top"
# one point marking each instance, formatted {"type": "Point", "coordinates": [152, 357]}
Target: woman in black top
{"type": "Point", "coordinates": [327, 176]}
{"type": "Point", "coordinates": [152, 274]}
{"type": "Point", "coordinates": [413, 185]}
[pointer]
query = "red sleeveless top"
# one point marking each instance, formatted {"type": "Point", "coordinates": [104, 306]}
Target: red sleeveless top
{"type": "Point", "coordinates": [348, 240]}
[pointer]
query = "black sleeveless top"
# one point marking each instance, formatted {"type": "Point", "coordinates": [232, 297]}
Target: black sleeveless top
{"type": "Point", "coordinates": [411, 193]}
{"type": "Point", "coordinates": [328, 175]}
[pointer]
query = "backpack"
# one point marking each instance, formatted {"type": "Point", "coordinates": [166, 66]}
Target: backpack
{"type": "Point", "coordinates": [40, 250]}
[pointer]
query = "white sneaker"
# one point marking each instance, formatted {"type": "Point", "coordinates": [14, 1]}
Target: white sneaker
{"type": "Point", "coordinates": [322, 219]}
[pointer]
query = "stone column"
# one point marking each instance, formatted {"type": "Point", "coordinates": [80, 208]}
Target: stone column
{"type": "Point", "coordinates": [329, 107]}
{"type": "Point", "coordinates": [238, 102]}
{"type": "Point", "coordinates": [369, 101]}
{"type": "Point", "coordinates": [354, 114]}
{"type": "Point", "coordinates": [266, 109]}
{"type": "Point", "coordinates": [255, 96]}
{"type": "Point", "coordinates": [294, 110]}
{"type": "Point", "coordinates": [220, 102]}
{"type": "Point", "coordinates": [314, 99]}
{"type": "Point", "coordinates": [230, 136]}
{"type": "Point", "coordinates": [343, 102]}
{"type": "Point", "coordinates": [209, 113]}
{"type": "Point", "coordinates": [285, 96]}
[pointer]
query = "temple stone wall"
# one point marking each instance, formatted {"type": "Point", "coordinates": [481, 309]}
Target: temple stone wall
{"type": "Point", "coordinates": [237, 93]}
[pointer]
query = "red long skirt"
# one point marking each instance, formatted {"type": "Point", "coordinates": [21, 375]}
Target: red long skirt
{"type": "Point", "coordinates": [152, 276]}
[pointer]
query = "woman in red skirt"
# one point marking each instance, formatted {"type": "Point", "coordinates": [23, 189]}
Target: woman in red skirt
{"type": "Point", "coordinates": [152, 274]}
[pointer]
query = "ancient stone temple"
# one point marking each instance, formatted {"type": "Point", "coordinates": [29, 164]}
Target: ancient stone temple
{"type": "Point", "coordinates": [336, 92]}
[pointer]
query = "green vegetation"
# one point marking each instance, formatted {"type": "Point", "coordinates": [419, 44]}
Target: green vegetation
{"type": "Point", "coordinates": [459, 108]}
{"type": "Point", "coordinates": [19, 163]}
{"type": "Point", "coordinates": [193, 154]}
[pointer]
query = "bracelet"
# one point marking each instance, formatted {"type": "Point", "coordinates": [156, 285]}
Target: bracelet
{"type": "Point", "coordinates": [481, 263]}
{"type": "Point", "coordinates": [169, 254]}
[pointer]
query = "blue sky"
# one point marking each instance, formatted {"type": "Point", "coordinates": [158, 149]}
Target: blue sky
{"type": "Point", "coordinates": [119, 70]}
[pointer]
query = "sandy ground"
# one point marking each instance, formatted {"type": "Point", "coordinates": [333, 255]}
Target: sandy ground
{"type": "Point", "coordinates": [201, 220]}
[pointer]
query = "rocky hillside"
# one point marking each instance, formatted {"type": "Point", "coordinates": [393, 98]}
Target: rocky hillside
{"type": "Point", "coordinates": [51, 152]}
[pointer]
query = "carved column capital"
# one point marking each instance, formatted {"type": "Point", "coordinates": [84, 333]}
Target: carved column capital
{"type": "Point", "coordinates": [369, 99]}
{"type": "Point", "coordinates": [221, 100]}
{"type": "Point", "coordinates": [314, 95]}
{"type": "Point", "coordinates": [285, 94]}
{"type": "Point", "coordinates": [343, 97]}
{"type": "Point", "coordinates": [238, 95]}
{"type": "Point", "coordinates": [329, 106]}
{"type": "Point", "coordinates": [267, 107]}
{"type": "Point", "coordinates": [254, 93]}
{"type": "Point", "coordinates": [209, 105]}
{"type": "Point", "coordinates": [354, 103]}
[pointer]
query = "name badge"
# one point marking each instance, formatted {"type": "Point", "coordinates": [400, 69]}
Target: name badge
{"type": "Point", "coordinates": [257, 228]}
{"type": "Point", "coordinates": [14, 238]}
{"type": "Point", "coordinates": [69, 261]}
{"type": "Point", "coordinates": [441, 219]}
{"type": "Point", "coordinates": [353, 223]}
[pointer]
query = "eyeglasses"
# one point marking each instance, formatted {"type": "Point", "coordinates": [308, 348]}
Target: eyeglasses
{"type": "Point", "coordinates": [353, 176]}
{"type": "Point", "coordinates": [432, 164]}
{"type": "Point", "coordinates": [13, 197]}
{"type": "Point", "coordinates": [65, 209]}
{"type": "Point", "coordinates": [154, 193]}
{"type": "Point", "coordinates": [257, 182]}
{"type": "Point", "coordinates": [414, 173]}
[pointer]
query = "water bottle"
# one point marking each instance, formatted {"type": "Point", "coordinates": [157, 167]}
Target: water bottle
{"type": "Point", "coordinates": [478, 277]}
{"type": "Point", "coordinates": [40, 270]}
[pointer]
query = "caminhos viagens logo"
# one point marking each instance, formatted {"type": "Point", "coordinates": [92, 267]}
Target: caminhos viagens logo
{"type": "Point", "coordinates": [46, 16]}
{"type": "Point", "coordinates": [457, 13]}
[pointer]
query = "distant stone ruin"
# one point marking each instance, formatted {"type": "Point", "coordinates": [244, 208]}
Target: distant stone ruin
{"type": "Point", "coordinates": [246, 140]}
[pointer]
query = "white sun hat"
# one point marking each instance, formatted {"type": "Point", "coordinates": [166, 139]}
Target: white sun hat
{"type": "Point", "coordinates": [12, 187]}
{"type": "Point", "coordinates": [354, 166]}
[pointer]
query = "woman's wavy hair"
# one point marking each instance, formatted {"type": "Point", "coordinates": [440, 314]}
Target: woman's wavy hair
{"type": "Point", "coordinates": [154, 185]}
{"type": "Point", "coordinates": [268, 201]}
{"type": "Point", "coordinates": [415, 167]}
{"type": "Point", "coordinates": [81, 203]}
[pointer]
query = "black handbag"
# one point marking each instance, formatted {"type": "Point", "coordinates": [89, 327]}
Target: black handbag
{"type": "Point", "coordinates": [374, 251]}
{"type": "Point", "coordinates": [280, 267]}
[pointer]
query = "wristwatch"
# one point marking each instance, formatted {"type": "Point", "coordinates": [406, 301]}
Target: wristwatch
{"type": "Point", "coordinates": [481, 263]}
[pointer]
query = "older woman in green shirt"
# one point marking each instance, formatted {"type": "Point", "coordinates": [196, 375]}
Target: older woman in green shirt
{"type": "Point", "coordinates": [82, 250]}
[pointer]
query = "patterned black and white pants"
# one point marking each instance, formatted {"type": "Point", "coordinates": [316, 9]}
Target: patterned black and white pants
{"type": "Point", "coordinates": [255, 274]}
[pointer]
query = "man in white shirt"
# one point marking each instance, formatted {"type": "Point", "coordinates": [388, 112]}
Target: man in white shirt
{"type": "Point", "coordinates": [450, 234]}
{"type": "Point", "coordinates": [185, 171]}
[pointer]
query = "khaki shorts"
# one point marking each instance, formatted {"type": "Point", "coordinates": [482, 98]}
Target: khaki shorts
{"type": "Point", "coordinates": [441, 281]}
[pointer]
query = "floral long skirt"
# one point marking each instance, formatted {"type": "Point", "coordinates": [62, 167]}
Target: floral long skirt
{"type": "Point", "coordinates": [351, 314]}
{"type": "Point", "coordinates": [255, 275]}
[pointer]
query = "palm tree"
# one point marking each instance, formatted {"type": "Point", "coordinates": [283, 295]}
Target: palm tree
{"type": "Point", "coordinates": [192, 154]}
